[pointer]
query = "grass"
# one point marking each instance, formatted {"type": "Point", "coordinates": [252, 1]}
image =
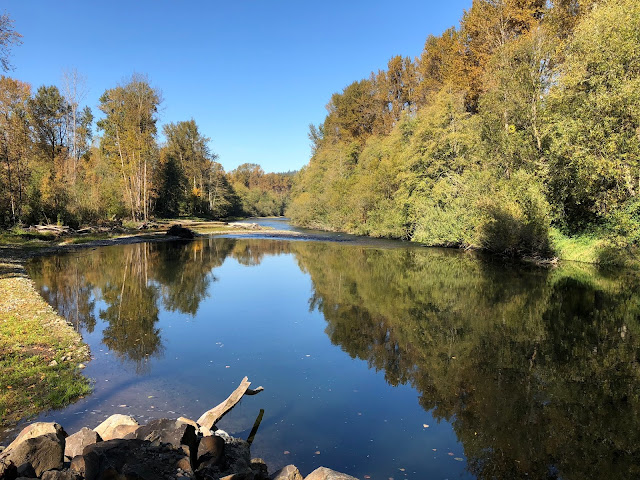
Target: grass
{"type": "Point", "coordinates": [39, 353]}
{"type": "Point", "coordinates": [604, 251]}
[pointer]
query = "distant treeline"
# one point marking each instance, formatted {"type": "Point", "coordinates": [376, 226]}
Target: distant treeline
{"type": "Point", "coordinates": [53, 169]}
{"type": "Point", "coordinates": [524, 119]}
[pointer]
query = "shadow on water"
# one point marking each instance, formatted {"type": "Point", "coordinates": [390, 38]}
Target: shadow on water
{"type": "Point", "coordinates": [537, 370]}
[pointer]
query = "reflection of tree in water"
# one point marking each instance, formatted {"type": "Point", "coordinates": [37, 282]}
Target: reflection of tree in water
{"type": "Point", "coordinates": [131, 280]}
{"type": "Point", "coordinates": [183, 271]}
{"type": "Point", "coordinates": [132, 310]}
{"type": "Point", "coordinates": [250, 252]}
{"type": "Point", "coordinates": [68, 291]}
{"type": "Point", "coordinates": [537, 371]}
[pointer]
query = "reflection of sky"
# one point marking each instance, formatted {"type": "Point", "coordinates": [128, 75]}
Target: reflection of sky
{"type": "Point", "coordinates": [256, 322]}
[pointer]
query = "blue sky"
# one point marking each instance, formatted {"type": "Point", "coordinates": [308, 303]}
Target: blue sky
{"type": "Point", "coordinates": [253, 74]}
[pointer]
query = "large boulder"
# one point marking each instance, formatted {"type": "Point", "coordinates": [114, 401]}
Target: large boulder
{"type": "Point", "coordinates": [75, 443]}
{"type": "Point", "coordinates": [36, 429]}
{"type": "Point", "coordinates": [290, 472]}
{"type": "Point", "coordinates": [164, 430]}
{"type": "Point", "coordinates": [44, 452]}
{"type": "Point", "coordinates": [116, 426]}
{"type": "Point", "coordinates": [324, 473]}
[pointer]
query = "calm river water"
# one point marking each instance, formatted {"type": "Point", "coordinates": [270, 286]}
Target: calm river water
{"type": "Point", "coordinates": [380, 359]}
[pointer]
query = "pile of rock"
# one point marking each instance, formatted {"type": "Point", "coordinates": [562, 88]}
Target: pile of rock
{"type": "Point", "coordinates": [121, 449]}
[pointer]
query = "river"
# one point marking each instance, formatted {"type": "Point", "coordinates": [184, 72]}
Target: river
{"type": "Point", "coordinates": [380, 359]}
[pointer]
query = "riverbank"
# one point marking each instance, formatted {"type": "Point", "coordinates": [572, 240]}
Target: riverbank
{"type": "Point", "coordinates": [41, 356]}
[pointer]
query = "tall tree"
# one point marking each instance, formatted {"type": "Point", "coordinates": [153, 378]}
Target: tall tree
{"type": "Point", "coordinates": [48, 111]}
{"type": "Point", "coordinates": [488, 26]}
{"type": "Point", "coordinates": [15, 144]}
{"type": "Point", "coordinates": [74, 86]}
{"type": "Point", "coordinates": [129, 126]}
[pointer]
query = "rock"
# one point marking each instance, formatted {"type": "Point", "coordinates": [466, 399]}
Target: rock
{"type": "Point", "coordinates": [164, 430]}
{"type": "Point", "coordinates": [290, 472]}
{"type": "Point", "coordinates": [220, 433]}
{"type": "Point", "coordinates": [184, 464]}
{"type": "Point", "coordinates": [107, 429]}
{"type": "Point", "coordinates": [53, 363]}
{"type": "Point", "coordinates": [188, 421]}
{"type": "Point", "coordinates": [44, 452]}
{"type": "Point", "coordinates": [75, 443]}
{"type": "Point", "coordinates": [123, 431]}
{"type": "Point", "coordinates": [77, 465]}
{"type": "Point", "coordinates": [236, 460]}
{"type": "Point", "coordinates": [180, 231]}
{"type": "Point", "coordinates": [60, 475]}
{"type": "Point", "coordinates": [35, 430]}
{"type": "Point", "coordinates": [210, 450]}
{"type": "Point", "coordinates": [324, 473]}
{"type": "Point", "coordinates": [130, 459]}
{"type": "Point", "coordinates": [239, 476]}
{"type": "Point", "coordinates": [26, 471]}
{"type": "Point", "coordinates": [260, 469]}
{"type": "Point", "coordinates": [8, 469]}
{"type": "Point", "coordinates": [178, 434]}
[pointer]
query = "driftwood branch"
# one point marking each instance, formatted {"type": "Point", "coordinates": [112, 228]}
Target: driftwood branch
{"type": "Point", "coordinates": [256, 425]}
{"type": "Point", "coordinates": [211, 417]}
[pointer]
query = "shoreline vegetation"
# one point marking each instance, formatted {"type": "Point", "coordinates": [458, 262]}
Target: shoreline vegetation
{"type": "Point", "coordinates": [516, 132]}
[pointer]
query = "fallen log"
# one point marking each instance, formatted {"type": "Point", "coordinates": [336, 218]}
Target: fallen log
{"type": "Point", "coordinates": [211, 417]}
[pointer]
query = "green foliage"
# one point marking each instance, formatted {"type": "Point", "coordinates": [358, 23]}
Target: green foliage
{"type": "Point", "coordinates": [595, 117]}
{"type": "Point", "coordinates": [260, 194]}
{"type": "Point", "coordinates": [527, 115]}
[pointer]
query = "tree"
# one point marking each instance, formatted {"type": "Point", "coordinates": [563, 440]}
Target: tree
{"type": "Point", "coordinates": [15, 144]}
{"type": "Point", "coordinates": [441, 63]}
{"type": "Point", "coordinates": [488, 26]}
{"type": "Point", "coordinates": [8, 38]}
{"type": "Point", "coordinates": [48, 114]}
{"type": "Point", "coordinates": [595, 117]}
{"type": "Point", "coordinates": [129, 138]}
{"type": "Point", "coordinates": [75, 90]}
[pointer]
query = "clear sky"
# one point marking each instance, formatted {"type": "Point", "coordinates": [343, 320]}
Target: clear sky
{"type": "Point", "coordinates": [253, 74]}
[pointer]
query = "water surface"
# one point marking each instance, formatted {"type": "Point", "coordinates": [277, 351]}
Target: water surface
{"type": "Point", "coordinates": [381, 359]}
